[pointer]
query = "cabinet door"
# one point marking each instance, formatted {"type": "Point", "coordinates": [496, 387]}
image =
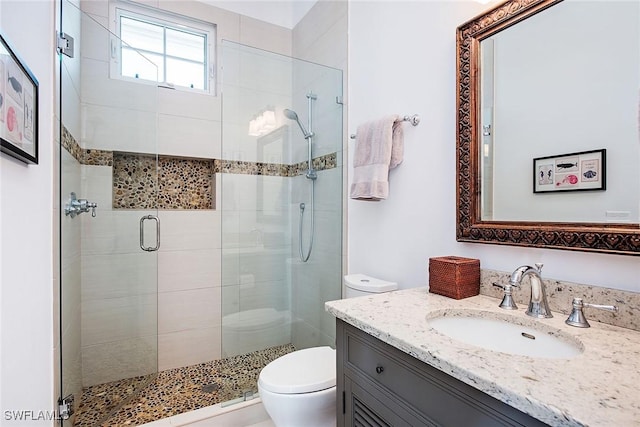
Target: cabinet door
{"type": "Point", "coordinates": [365, 406]}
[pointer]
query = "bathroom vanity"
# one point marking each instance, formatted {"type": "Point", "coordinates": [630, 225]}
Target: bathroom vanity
{"type": "Point", "coordinates": [385, 386]}
{"type": "Point", "coordinates": [395, 369]}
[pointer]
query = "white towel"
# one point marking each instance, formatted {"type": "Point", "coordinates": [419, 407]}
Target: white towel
{"type": "Point", "coordinates": [379, 148]}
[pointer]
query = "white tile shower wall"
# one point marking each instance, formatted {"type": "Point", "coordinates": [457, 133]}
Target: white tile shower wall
{"type": "Point", "coordinates": [190, 347]}
{"type": "Point", "coordinates": [203, 136]}
{"type": "Point", "coordinates": [127, 357]}
{"type": "Point", "coordinates": [263, 35]}
{"type": "Point", "coordinates": [119, 129]}
{"type": "Point", "coordinates": [189, 287]}
{"type": "Point", "coordinates": [191, 309]}
{"type": "Point", "coordinates": [254, 81]}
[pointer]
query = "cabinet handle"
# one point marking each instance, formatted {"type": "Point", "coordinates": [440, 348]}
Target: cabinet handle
{"type": "Point", "coordinates": [379, 369]}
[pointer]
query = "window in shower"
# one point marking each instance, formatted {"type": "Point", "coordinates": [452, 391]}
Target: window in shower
{"type": "Point", "coordinates": [179, 47]}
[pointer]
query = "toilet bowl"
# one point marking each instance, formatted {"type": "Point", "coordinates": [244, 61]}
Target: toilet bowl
{"type": "Point", "coordinates": [294, 395]}
{"type": "Point", "coordinates": [299, 388]}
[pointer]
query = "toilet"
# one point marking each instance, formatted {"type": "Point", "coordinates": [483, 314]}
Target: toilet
{"type": "Point", "coordinates": [299, 388]}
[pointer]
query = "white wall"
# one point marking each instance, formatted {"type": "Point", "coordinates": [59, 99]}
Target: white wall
{"type": "Point", "coordinates": [28, 348]}
{"type": "Point", "coordinates": [410, 68]}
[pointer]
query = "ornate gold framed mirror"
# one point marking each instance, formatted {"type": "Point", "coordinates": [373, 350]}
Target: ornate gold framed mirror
{"type": "Point", "coordinates": [495, 199]}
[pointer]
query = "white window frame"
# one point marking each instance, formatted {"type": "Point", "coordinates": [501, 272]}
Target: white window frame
{"type": "Point", "coordinates": [157, 16]}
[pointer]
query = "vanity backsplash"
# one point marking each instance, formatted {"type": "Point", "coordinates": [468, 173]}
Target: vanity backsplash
{"type": "Point", "coordinates": [561, 293]}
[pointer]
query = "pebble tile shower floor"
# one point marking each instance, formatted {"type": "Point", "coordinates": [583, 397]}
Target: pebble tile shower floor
{"type": "Point", "coordinates": [139, 400]}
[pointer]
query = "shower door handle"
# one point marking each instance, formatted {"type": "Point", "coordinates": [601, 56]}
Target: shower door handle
{"type": "Point", "coordinates": [150, 248]}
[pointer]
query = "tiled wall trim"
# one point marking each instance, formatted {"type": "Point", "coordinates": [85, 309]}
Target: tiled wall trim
{"type": "Point", "coordinates": [71, 145]}
{"type": "Point", "coordinates": [328, 161]}
{"type": "Point", "coordinates": [97, 158]}
{"type": "Point", "coordinates": [561, 293]}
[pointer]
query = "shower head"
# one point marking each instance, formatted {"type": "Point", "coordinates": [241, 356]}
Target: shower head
{"type": "Point", "coordinates": [292, 115]}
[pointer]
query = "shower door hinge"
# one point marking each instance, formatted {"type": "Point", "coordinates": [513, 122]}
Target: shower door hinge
{"type": "Point", "coordinates": [65, 407]}
{"type": "Point", "coordinates": [65, 44]}
{"type": "Point", "coordinates": [339, 100]}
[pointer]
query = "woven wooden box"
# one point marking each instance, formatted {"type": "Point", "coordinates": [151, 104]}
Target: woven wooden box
{"type": "Point", "coordinates": [454, 277]}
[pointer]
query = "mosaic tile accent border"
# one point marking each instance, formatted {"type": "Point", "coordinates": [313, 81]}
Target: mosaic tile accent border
{"type": "Point", "coordinates": [140, 400]}
{"type": "Point", "coordinates": [328, 161]}
{"type": "Point", "coordinates": [561, 293]}
{"type": "Point", "coordinates": [97, 157]}
{"type": "Point", "coordinates": [70, 144]}
{"type": "Point", "coordinates": [176, 183]}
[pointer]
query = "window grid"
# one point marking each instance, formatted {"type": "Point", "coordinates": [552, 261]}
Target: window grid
{"type": "Point", "coordinates": [162, 79]}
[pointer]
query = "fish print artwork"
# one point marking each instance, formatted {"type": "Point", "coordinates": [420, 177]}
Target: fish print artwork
{"type": "Point", "coordinates": [567, 165]}
{"type": "Point", "coordinates": [13, 122]}
{"type": "Point", "coordinates": [567, 180]}
{"type": "Point", "coordinates": [13, 83]}
{"type": "Point", "coordinates": [590, 170]}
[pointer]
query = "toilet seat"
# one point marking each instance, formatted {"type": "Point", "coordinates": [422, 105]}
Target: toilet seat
{"type": "Point", "coordinates": [302, 371]}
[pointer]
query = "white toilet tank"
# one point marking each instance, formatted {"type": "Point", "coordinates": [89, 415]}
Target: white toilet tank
{"type": "Point", "coordinates": [357, 285]}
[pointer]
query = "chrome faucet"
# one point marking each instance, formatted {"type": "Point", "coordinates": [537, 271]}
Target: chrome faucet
{"type": "Point", "coordinates": [538, 305]}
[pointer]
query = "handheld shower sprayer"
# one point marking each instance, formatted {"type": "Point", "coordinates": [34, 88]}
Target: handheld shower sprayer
{"type": "Point", "coordinates": [292, 115]}
{"type": "Point", "coordinates": [311, 175]}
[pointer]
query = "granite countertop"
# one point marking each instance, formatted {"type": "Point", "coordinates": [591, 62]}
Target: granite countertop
{"type": "Point", "coordinates": [599, 387]}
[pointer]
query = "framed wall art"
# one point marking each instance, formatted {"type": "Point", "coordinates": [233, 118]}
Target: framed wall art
{"type": "Point", "coordinates": [585, 170]}
{"type": "Point", "coordinates": [18, 107]}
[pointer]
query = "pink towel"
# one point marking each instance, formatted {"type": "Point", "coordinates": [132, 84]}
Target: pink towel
{"type": "Point", "coordinates": [379, 148]}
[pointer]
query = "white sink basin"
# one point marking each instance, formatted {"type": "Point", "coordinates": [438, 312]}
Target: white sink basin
{"type": "Point", "coordinates": [506, 334]}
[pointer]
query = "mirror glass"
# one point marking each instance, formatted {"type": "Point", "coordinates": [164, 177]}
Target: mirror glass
{"type": "Point", "coordinates": [563, 81]}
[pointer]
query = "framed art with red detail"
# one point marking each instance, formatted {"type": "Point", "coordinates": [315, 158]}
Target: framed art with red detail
{"type": "Point", "coordinates": [585, 170]}
{"type": "Point", "coordinates": [18, 107]}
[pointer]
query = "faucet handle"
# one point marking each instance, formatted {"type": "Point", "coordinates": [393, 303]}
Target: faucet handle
{"type": "Point", "coordinates": [507, 300]}
{"type": "Point", "coordinates": [539, 266]}
{"type": "Point", "coordinates": [577, 318]}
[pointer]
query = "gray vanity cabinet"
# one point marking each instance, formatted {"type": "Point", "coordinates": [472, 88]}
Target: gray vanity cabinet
{"type": "Point", "coordinates": [379, 385]}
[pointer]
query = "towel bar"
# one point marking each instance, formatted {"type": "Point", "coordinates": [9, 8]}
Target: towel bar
{"type": "Point", "coordinates": [415, 120]}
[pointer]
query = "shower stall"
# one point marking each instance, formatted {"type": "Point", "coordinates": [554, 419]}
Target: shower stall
{"type": "Point", "coordinates": [217, 233]}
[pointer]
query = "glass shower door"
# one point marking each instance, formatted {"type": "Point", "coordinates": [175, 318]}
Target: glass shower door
{"type": "Point", "coordinates": [108, 221]}
{"type": "Point", "coordinates": [272, 300]}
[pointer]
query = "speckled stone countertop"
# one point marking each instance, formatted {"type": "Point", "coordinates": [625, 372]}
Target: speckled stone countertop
{"type": "Point", "coordinates": [600, 387]}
